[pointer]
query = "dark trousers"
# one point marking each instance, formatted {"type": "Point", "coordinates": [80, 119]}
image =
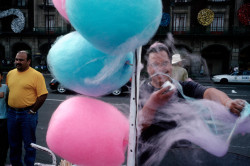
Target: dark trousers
{"type": "Point", "coordinates": [21, 128]}
{"type": "Point", "coordinates": [4, 145]}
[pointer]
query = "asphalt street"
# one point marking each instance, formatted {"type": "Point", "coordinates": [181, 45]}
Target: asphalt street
{"type": "Point", "coordinates": [239, 152]}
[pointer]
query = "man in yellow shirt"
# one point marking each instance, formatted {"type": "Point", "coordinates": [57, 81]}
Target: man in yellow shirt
{"type": "Point", "coordinates": [27, 93]}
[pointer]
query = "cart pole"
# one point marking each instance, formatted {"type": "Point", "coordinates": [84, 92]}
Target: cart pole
{"type": "Point", "coordinates": [134, 98]}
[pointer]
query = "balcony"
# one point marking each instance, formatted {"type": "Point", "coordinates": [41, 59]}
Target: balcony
{"type": "Point", "coordinates": [36, 31]}
{"type": "Point", "coordinates": [205, 31]}
{"type": "Point", "coordinates": [50, 30]}
{"type": "Point", "coordinates": [218, 2]}
{"type": "Point", "coordinates": [47, 6]}
{"type": "Point", "coordinates": [180, 2]}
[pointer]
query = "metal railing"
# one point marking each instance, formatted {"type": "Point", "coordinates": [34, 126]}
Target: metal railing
{"type": "Point", "coordinates": [219, 0]}
{"type": "Point", "coordinates": [50, 30]}
{"type": "Point", "coordinates": [205, 31]}
{"type": "Point", "coordinates": [244, 30]}
{"type": "Point", "coordinates": [181, 1]}
{"type": "Point", "coordinates": [38, 30]}
{"type": "Point", "coordinates": [53, 157]}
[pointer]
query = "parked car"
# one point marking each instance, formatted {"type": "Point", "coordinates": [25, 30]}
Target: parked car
{"type": "Point", "coordinates": [55, 85]}
{"type": "Point", "coordinates": [235, 77]}
{"type": "Point", "coordinates": [124, 89]}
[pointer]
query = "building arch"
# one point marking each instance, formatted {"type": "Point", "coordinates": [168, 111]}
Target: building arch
{"type": "Point", "coordinates": [183, 47]}
{"type": "Point", "coordinates": [18, 47]}
{"type": "Point", "coordinates": [40, 58]}
{"type": "Point", "coordinates": [44, 49]}
{"type": "Point", "coordinates": [217, 58]}
{"type": "Point", "coordinates": [244, 58]}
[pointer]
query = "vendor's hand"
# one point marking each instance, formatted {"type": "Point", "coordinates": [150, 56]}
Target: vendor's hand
{"type": "Point", "coordinates": [235, 106]}
{"type": "Point", "coordinates": [159, 98]}
{"type": "Point", "coordinates": [156, 100]}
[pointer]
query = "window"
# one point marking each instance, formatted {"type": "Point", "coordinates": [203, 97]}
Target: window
{"type": "Point", "coordinates": [49, 2]}
{"type": "Point", "coordinates": [217, 24]}
{"type": "Point", "coordinates": [234, 74]}
{"type": "Point", "coordinates": [50, 22]}
{"type": "Point", "coordinates": [180, 0]}
{"type": "Point", "coordinates": [179, 22]}
{"type": "Point", "coordinates": [21, 2]}
{"type": "Point", "coordinates": [218, 0]}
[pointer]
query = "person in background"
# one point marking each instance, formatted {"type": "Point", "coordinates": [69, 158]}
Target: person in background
{"type": "Point", "coordinates": [27, 93]}
{"type": "Point", "coordinates": [178, 72]}
{"type": "Point", "coordinates": [4, 145]}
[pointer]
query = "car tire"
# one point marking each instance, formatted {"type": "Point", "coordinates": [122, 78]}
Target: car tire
{"type": "Point", "coordinates": [223, 81]}
{"type": "Point", "coordinates": [117, 92]}
{"type": "Point", "coordinates": [61, 89]}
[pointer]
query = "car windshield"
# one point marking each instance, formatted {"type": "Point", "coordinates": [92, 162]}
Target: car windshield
{"type": "Point", "coordinates": [246, 73]}
{"type": "Point", "coordinates": [237, 73]}
{"type": "Point", "coordinates": [234, 73]}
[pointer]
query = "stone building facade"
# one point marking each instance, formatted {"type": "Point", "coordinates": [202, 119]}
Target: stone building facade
{"type": "Point", "coordinates": [39, 25]}
{"type": "Point", "coordinates": [217, 47]}
{"type": "Point", "coordinates": [211, 49]}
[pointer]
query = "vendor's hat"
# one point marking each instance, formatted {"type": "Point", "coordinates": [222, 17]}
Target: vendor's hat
{"type": "Point", "coordinates": [176, 58]}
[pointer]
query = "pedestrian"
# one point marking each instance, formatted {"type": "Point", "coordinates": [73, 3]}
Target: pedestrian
{"type": "Point", "coordinates": [4, 145]}
{"type": "Point", "coordinates": [178, 72]}
{"type": "Point", "coordinates": [27, 93]}
{"type": "Point", "coordinates": [236, 69]}
{"type": "Point", "coordinates": [231, 70]}
{"type": "Point", "coordinates": [159, 68]}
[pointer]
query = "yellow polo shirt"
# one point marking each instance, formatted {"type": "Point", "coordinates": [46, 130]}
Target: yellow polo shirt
{"type": "Point", "coordinates": [25, 87]}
